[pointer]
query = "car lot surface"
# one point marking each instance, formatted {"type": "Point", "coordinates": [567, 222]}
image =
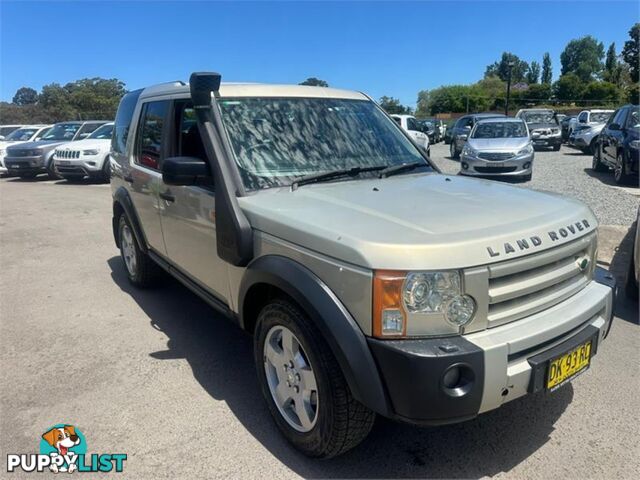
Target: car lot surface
{"type": "Point", "coordinates": [568, 172]}
{"type": "Point", "coordinates": [160, 376]}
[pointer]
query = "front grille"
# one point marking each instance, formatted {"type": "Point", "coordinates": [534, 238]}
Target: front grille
{"type": "Point", "coordinates": [67, 153]}
{"type": "Point", "coordinates": [496, 156]}
{"type": "Point", "coordinates": [495, 169]}
{"type": "Point", "coordinates": [522, 287]}
{"type": "Point", "coordinates": [18, 153]}
{"type": "Point", "coordinates": [70, 169]}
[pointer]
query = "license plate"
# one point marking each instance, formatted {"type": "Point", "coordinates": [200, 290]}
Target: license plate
{"type": "Point", "coordinates": [567, 366]}
{"type": "Point", "coordinates": [63, 162]}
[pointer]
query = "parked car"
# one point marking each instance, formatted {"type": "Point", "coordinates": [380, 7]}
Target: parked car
{"type": "Point", "coordinates": [410, 125]}
{"type": "Point", "coordinates": [585, 134]}
{"type": "Point", "coordinates": [564, 126]}
{"type": "Point", "coordinates": [560, 117]}
{"type": "Point", "coordinates": [461, 129]}
{"type": "Point", "coordinates": [430, 129]}
{"type": "Point", "coordinates": [618, 145]}
{"type": "Point", "coordinates": [32, 158]}
{"type": "Point", "coordinates": [7, 129]}
{"type": "Point", "coordinates": [371, 284]}
{"type": "Point", "coordinates": [498, 147]}
{"type": "Point", "coordinates": [633, 274]}
{"type": "Point", "coordinates": [544, 127]}
{"type": "Point", "coordinates": [27, 133]}
{"type": "Point", "coordinates": [438, 129]}
{"type": "Point", "coordinates": [448, 131]}
{"type": "Point", "coordinates": [85, 158]}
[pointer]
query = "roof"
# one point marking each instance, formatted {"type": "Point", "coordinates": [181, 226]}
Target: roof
{"type": "Point", "coordinates": [487, 115]}
{"type": "Point", "coordinates": [257, 90]}
{"type": "Point", "coordinates": [500, 119]}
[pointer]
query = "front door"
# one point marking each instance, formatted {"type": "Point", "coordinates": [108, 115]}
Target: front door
{"type": "Point", "coordinates": [614, 137]}
{"type": "Point", "coordinates": [145, 175]}
{"type": "Point", "coordinates": [188, 213]}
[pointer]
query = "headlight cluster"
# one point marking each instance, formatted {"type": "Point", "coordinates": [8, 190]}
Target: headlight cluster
{"type": "Point", "coordinates": [467, 150]}
{"type": "Point", "coordinates": [91, 152]}
{"type": "Point", "coordinates": [526, 150]}
{"type": "Point", "coordinates": [403, 300]}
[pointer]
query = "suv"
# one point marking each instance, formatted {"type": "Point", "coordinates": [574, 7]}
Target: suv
{"type": "Point", "coordinates": [414, 129]}
{"type": "Point", "coordinates": [544, 127]}
{"type": "Point", "coordinates": [85, 158]}
{"type": "Point", "coordinates": [589, 125]}
{"type": "Point", "coordinates": [371, 283]}
{"type": "Point", "coordinates": [32, 158]}
{"type": "Point", "coordinates": [461, 129]}
{"type": "Point", "coordinates": [27, 133]}
{"type": "Point", "coordinates": [618, 145]}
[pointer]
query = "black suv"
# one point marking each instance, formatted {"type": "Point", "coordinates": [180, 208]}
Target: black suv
{"type": "Point", "coordinates": [618, 144]}
{"type": "Point", "coordinates": [461, 129]}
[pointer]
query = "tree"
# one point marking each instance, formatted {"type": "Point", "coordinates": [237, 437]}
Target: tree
{"type": "Point", "coordinates": [547, 73]}
{"type": "Point", "coordinates": [25, 96]}
{"type": "Point", "coordinates": [630, 53]}
{"type": "Point", "coordinates": [583, 57]}
{"type": "Point", "coordinates": [54, 100]}
{"type": "Point", "coordinates": [602, 93]}
{"type": "Point", "coordinates": [314, 82]}
{"type": "Point", "coordinates": [533, 73]}
{"type": "Point", "coordinates": [501, 68]}
{"type": "Point", "coordinates": [610, 63]}
{"type": "Point", "coordinates": [95, 98]}
{"type": "Point", "coordinates": [392, 105]}
{"type": "Point", "coordinates": [423, 104]}
{"type": "Point", "coordinates": [538, 93]}
{"type": "Point", "coordinates": [569, 88]}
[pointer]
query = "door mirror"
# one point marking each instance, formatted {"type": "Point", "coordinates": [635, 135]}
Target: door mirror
{"type": "Point", "coordinates": [186, 171]}
{"type": "Point", "coordinates": [614, 126]}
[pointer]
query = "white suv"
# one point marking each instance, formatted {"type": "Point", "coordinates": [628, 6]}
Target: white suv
{"type": "Point", "coordinates": [85, 158]}
{"type": "Point", "coordinates": [410, 125]}
{"type": "Point", "coordinates": [27, 133]}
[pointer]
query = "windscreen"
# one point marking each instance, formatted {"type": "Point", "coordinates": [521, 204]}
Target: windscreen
{"type": "Point", "coordinates": [62, 131]}
{"type": "Point", "coordinates": [600, 117]}
{"type": "Point", "coordinates": [539, 117]}
{"type": "Point", "coordinates": [21, 135]}
{"type": "Point", "coordinates": [102, 133]}
{"type": "Point", "coordinates": [278, 140]}
{"type": "Point", "coordinates": [500, 130]}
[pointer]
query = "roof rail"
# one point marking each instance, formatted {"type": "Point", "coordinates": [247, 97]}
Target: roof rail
{"type": "Point", "coordinates": [159, 87]}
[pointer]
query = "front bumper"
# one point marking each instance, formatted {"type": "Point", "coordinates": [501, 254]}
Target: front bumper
{"type": "Point", "coordinates": [496, 365]}
{"type": "Point", "coordinates": [549, 141]}
{"type": "Point", "coordinates": [85, 166]}
{"type": "Point", "coordinates": [18, 165]}
{"type": "Point", "coordinates": [517, 166]}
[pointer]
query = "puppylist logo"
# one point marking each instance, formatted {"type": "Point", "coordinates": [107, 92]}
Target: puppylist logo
{"type": "Point", "coordinates": [63, 448]}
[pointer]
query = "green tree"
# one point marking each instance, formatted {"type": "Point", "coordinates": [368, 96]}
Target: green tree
{"type": "Point", "coordinates": [533, 73]}
{"type": "Point", "coordinates": [392, 105]}
{"type": "Point", "coordinates": [583, 57]}
{"type": "Point", "coordinates": [610, 63]}
{"type": "Point", "coordinates": [602, 93]}
{"type": "Point", "coordinates": [95, 98]}
{"type": "Point", "coordinates": [501, 68]}
{"type": "Point", "coordinates": [25, 96]}
{"type": "Point", "coordinates": [569, 88]}
{"type": "Point", "coordinates": [538, 93]}
{"type": "Point", "coordinates": [314, 82]}
{"type": "Point", "coordinates": [547, 73]}
{"type": "Point", "coordinates": [630, 52]}
{"type": "Point", "coordinates": [55, 101]}
{"type": "Point", "coordinates": [423, 105]}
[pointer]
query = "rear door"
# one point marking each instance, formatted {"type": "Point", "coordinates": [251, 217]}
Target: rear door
{"type": "Point", "coordinates": [145, 178]}
{"type": "Point", "coordinates": [615, 137]}
{"type": "Point", "coordinates": [188, 213]}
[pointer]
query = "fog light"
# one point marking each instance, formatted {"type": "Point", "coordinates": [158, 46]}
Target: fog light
{"type": "Point", "coordinates": [465, 166]}
{"type": "Point", "coordinates": [392, 322]}
{"type": "Point", "coordinates": [526, 165]}
{"type": "Point", "coordinates": [457, 380]}
{"type": "Point", "coordinates": [451, 377]}
{"type": "Point", "coordinates": [93, 164]}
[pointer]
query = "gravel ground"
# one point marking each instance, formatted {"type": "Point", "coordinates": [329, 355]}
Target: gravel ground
{"type": "Point", "coordinates": [568, 172]}
{"type": "Point", "coordinates": [158, 375]}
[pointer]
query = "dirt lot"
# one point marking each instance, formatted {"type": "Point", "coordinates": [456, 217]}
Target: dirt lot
{"type": "Point", "coordinates": [158, 375]}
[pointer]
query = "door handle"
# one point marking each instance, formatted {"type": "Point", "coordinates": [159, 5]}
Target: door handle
{"type": "Point", "coordinates": [168, 197]}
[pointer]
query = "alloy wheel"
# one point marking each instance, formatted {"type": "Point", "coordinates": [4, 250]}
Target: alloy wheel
{"type": "Point", "coordinates": [128, 249]}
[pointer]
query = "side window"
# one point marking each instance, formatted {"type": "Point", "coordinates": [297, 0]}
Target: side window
{"type": "Point", "coordinates": [620, 117]}
{"type": "Point", "coordinates": [397, 120]}
{"type": "Point", "coordinates": [189, 142]}
{"type": "Point", "coordinates": [150, 134]}
{"type": "Point", "coordinates": [582, 118]}
{"type": "Point", "coordinates": [466, 122]}
{"type": "Point", "coordinates": [86, 130]}
{"type": "Point", "coordinates": [412, 124]}
{"type": "Point", "coordinates": [633, 119]}
{"type": "Point", "coordinates": [123, 122]}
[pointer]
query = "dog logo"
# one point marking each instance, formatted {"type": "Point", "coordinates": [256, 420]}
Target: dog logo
{"type": "Point", "coordinates": [63, 439]}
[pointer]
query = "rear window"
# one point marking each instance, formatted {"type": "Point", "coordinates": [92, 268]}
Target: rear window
{"type": "Point", "coordinates": [123, 121]}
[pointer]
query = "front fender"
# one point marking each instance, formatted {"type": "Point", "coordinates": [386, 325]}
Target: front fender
{"type": "Point", "coordinates": [339, 329]}
{"type": "Point", "coordinates": [122, 199]}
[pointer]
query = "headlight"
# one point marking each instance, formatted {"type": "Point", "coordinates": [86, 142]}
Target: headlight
{"type": "Point", "coordinates": [463, 136]}
{"type": "Point", "coordinates": [555, 131]}
{"type": "Point", "coordinates": [635, 144]}
{"type": "Point", "coordinates": [90, 152]}
{"type": "Point", "coordinates": [420, 304]}
{"type": "Point", "coordinates": [526, 150]}
{"type": "Point", "coordinates": [36, 153]}
{"type": "Point", "coordinates": [467, 150]}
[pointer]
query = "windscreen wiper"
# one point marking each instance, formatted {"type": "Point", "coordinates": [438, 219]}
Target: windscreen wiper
{"type": "Point", "coordinates": [326, 176]}
{"type": "Point", "coordinates": [404, 167]}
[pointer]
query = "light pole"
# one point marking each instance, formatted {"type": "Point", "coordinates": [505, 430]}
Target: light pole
{"type": "Point", "coordinates": [506, 105]}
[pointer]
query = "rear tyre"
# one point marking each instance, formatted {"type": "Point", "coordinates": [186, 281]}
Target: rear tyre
{"type": "Point", "coordinates": [620, 174]}
{"type": "Point", "coordinates": [303, 384]}
{"type": "Point", "coordinates": [596, 162]}
{"type": "Point", "coordinates": [631, 285]}
{"type": "Point", "coordinates": [590, 150]}
{"type": "Point", "coordinates": [106, 170]}
{"type": "Point", "coordinates": [141, 270]}
{"type": "Point", "coordinates": [556, 147]}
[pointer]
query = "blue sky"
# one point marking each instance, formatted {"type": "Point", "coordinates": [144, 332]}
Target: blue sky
{"type": "Point", "coordinates": [394, 48]}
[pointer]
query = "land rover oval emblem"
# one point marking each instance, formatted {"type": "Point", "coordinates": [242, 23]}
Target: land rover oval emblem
{"type": "Point", "coordinates": [583, 264]}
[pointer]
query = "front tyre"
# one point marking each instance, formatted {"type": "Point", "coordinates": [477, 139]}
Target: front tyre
{"type": "Point", "coordinates": [52, 172]}
{"type": "Point", "coordinates": [620, 174]}
{"type": "Point", "coordinates": [453, 151]}
{"type": "Point", "coordinates": [105, 173]}
{"type": "Point", "coordinates": [556, 147]}
{"type": "Point", "coordinates": [303, 384]}
{"type": "Point", "coordinates": [141, 270]}
{"type": "Point", "coordinates": [596, 162]}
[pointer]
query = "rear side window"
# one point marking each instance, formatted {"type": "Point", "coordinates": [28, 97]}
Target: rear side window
{"type": "Point", "coordinates": [123, 121]}
{"type": "Point", "coordinates": [620, 117]}
{"type": "Point", "coordinates": [150, 134]}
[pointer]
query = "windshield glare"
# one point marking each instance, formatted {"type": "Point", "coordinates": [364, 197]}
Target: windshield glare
{"type": "Point", "coordinates": [600, 117]}
{"type": "Point", "coordinates": [21, 135]}
{"type": "Point", "coordinates": [499, 130]}
{"type": "Point", "coordinates": [539, 117]}
{"type": "Point", "coordinates": [62, 131]}
{"type": "Point", "coordinates": [278, 140]}
{"type": "Point", "coordinates": [102, 133]}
